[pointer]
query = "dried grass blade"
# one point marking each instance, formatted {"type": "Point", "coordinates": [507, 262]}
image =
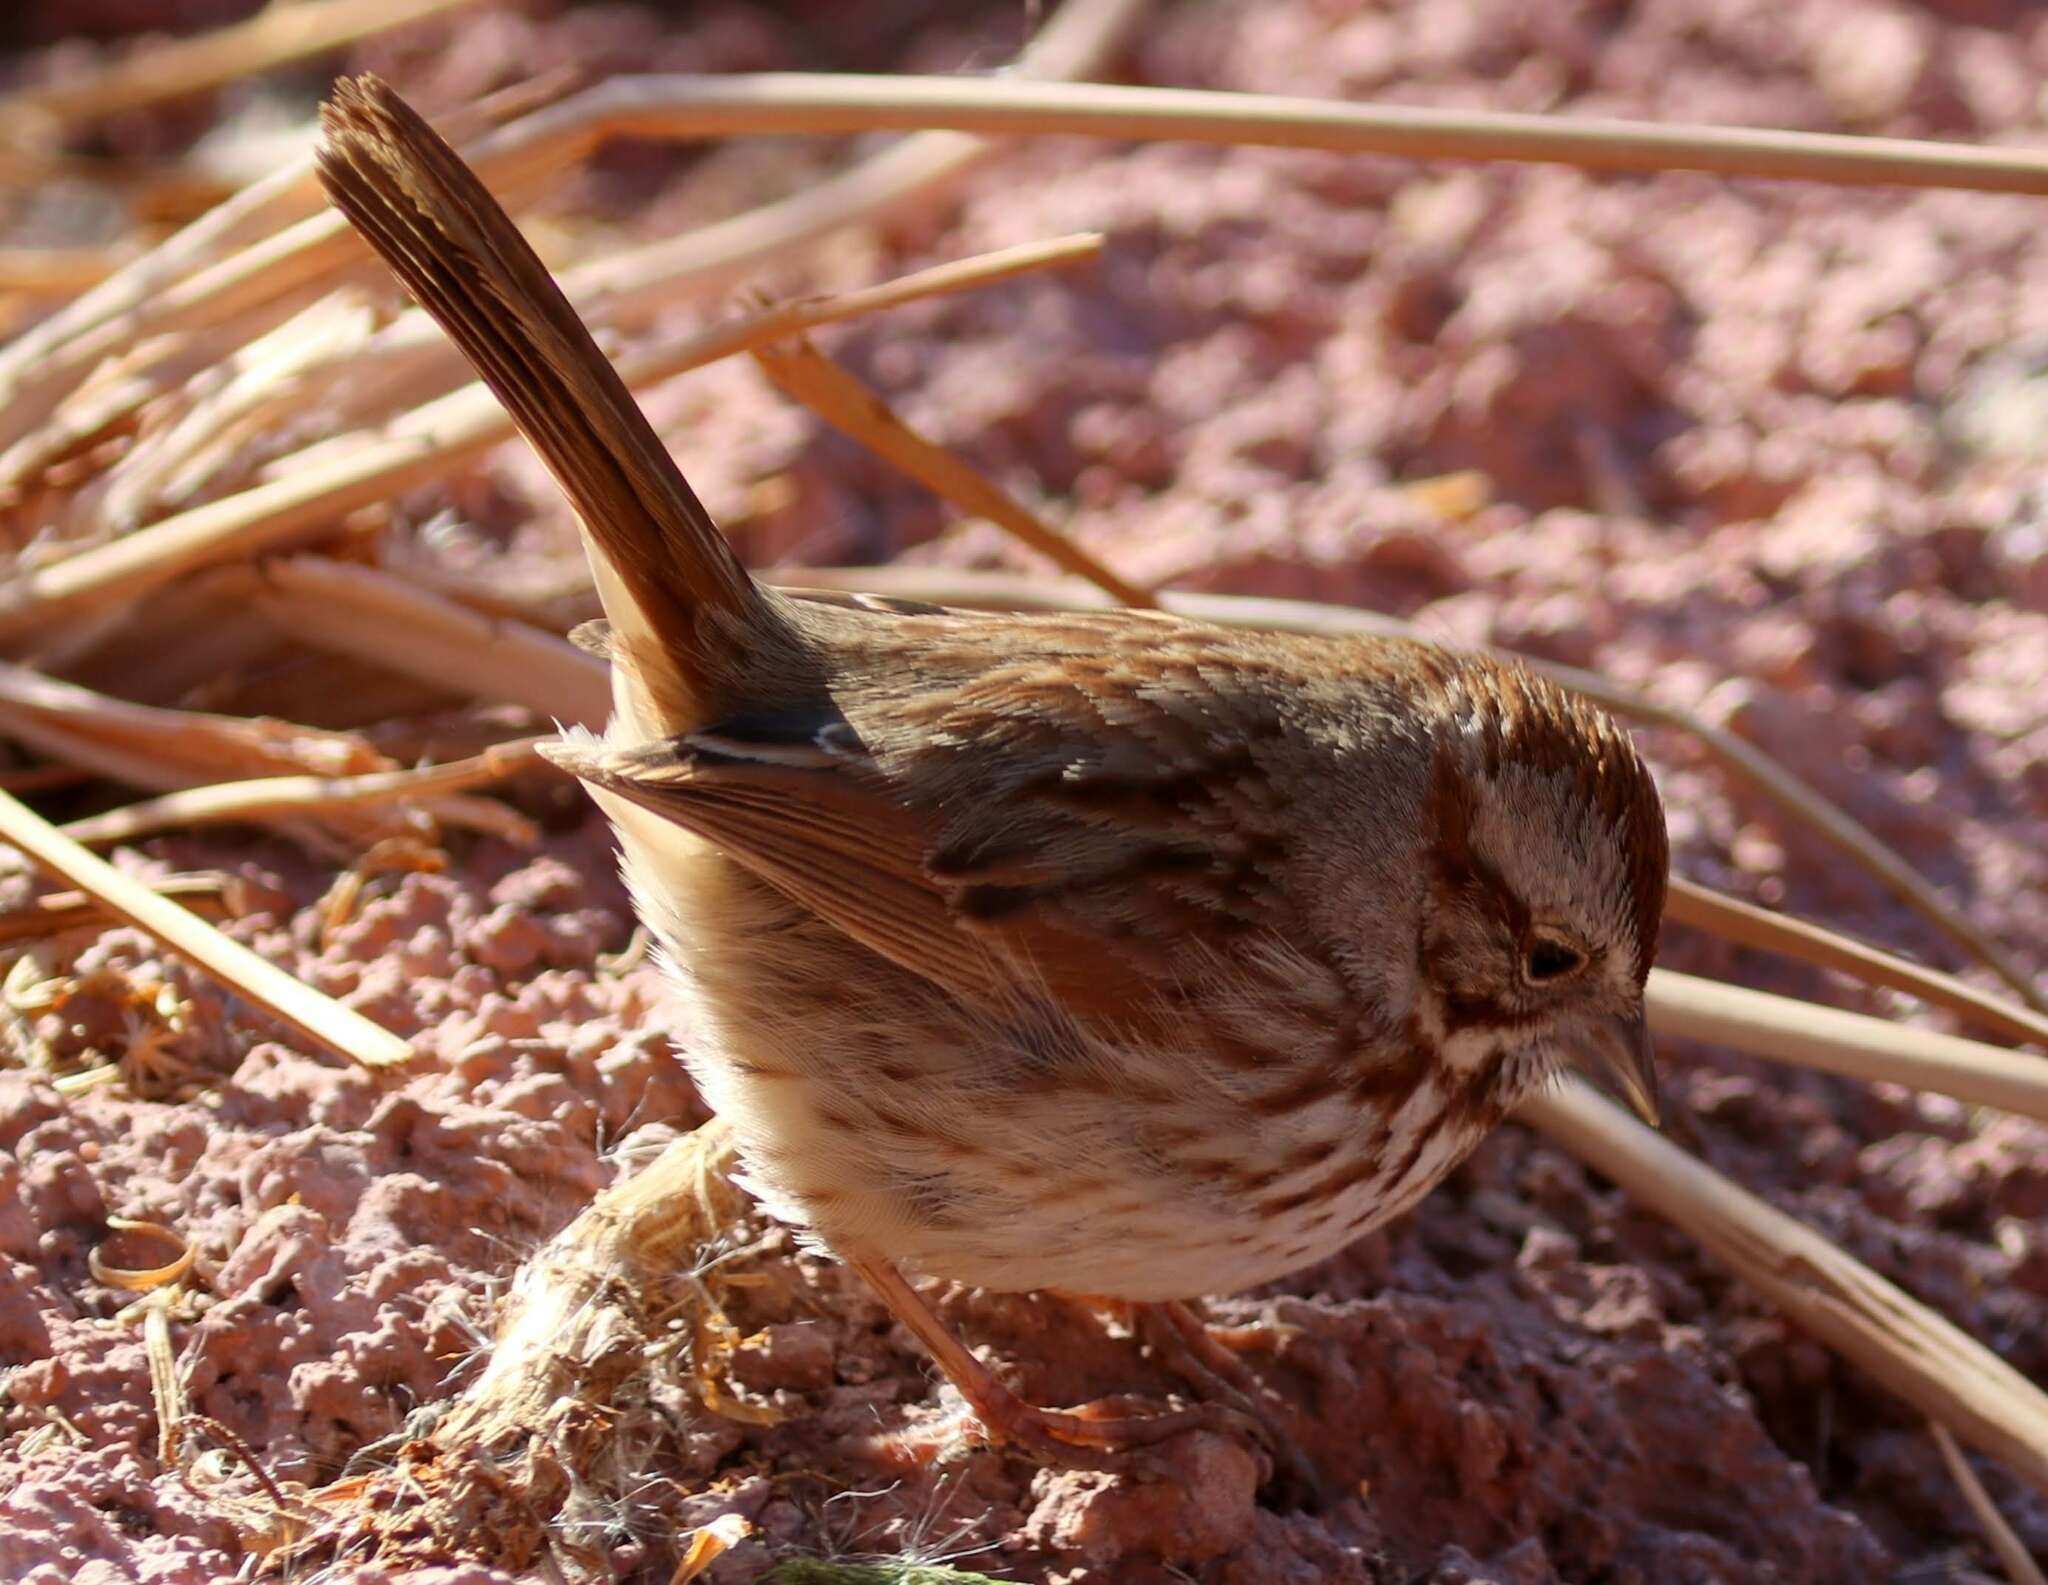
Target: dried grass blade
{"type": "Point", "coordinates": [797, 369]}
{"type": "Point", "coordinates": [304, 796]}
{"type": "Point", "coordinates": [1931, 1363]}
{"type": "Point", "coordinates": [223, 411]}
{"type": "Point", "coordinates": [629, 287]}
{"type": "Point", "coordinates": [276, 36]}
{"type": "Point", "coordinates": [151, 746]}
{"type": "Point", "coordinates": [1747, 925]}
{"type": "Point", "coordinates": [320, 485]}
{"type": "Point", "coordinates": [56, 912]}
{"type": "Point", "coordinates": [40, 366]}
{"type": "Point", "coordinates": [379, 617]}
{"type": "Point", "coordinates": [1081, 38]}
{"type": "Point", "coordinates": [1757, 768]}
{"type": "Point", "coordinates": [56, 272]}
{"type": "Point", "coordinates": [410, 359]}
{"type": "Point", "coordinates": [319, 1018]}
{"type": "Point", "coordinates": [142, 1279]}
{"type": "Point", "coordinates": [770, 103]}
{"type": "Point", "coordinates": [1808, 1035]}
{"type": "Point", "coordinates": [190, 281]}
{"type": "Point", "coordinates": [236, 263]}
{"type": "Point", "coordinates": [164, 1385]}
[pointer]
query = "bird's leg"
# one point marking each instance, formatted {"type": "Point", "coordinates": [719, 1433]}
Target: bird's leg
{"type": "Point", "coordinates": [1073, 1439]}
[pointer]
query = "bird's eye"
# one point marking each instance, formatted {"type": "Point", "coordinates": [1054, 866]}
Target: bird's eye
{"type": "Point", "coordinates": [1547, 960]}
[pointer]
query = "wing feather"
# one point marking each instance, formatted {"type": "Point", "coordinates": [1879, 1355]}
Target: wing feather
{"type": "Point", "coordinates": [1085, 815]}
{"type": "Point", "coordinates": [828, 835]}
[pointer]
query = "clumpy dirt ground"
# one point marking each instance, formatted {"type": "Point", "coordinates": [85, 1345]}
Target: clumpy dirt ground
{"type": "Point", "coordinates": [1772, 452]}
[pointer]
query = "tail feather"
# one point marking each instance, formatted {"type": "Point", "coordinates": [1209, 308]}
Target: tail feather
{"type": "Point", "coordinates": [678, 600]}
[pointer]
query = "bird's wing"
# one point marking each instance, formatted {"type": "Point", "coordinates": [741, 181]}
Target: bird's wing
{"type": "Point", "coordinates": [1079, 807]}
{"type": "Point", "coordinates": [994, 851]}
{"type": "Point", "coordinates": [830, 837]}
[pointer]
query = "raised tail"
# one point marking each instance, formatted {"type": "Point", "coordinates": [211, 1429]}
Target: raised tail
{"type": "Point", "coordinates": [682, 609]}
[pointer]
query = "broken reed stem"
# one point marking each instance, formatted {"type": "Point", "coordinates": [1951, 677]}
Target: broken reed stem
{"type": "Point", "coordinates": [162, 748]}
{"type": "Point", "coordinates": [1081, 38]}
{"type": "Point", "coordinates": [634, 1237]}
{"type": "Point", "coordinates": [379, 617]}
{"type": "Point", "coordinates": [57, 912]}
{"type": "Point", "coordinates": [187, 283]}
{"type": "Point", "coordinates": [1745, 924]}
{"type": "Point", "coordinates": [275, 36]}
{"type": "Point", "coordinates": [776, 103]}
{"type": "Point", "coordinates": [273, 238]}
{"type": "Point", "coordinates": [804, 374]}
{"type": "Point", "coordinates": [47, 360]}
{"type": "Point", "coordinates": [629, 286]}
{"type": "Point", "coordinates": [56, 272]}
{"type": "Point", "coordinates": [1080, 35]}
{"type": "Point", "coordinates": [1931, 1363]}
{"type": "Point", "coordinates": [268, 796]}
{"type": "Point", "coordinates": [1808, 1035]}
{"type": "Point", "coordinates": [316, 489]}
{"type": "Point", "coordinates": [319, 1018]}
{"type": "Point", "coordinates": [193, 280]}
{"type": "Point", "coordinates": [601, 1303]}
{"type": "Point", "coordinates": [165, 1385]}
{"type": "Point", "coordinates": [1751, 764]}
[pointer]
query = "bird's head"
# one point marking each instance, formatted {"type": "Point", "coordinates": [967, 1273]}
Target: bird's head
{"type": "Point", "coordinates": [1546, 859]}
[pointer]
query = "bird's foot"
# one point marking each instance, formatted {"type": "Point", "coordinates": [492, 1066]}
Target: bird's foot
{"type": "Point", "coordinates": [1107, 1435]}
{"type": "Point", "coordinates": [1112, 1435]}
{"type": "Point", "coordinates": [1189, 1347]}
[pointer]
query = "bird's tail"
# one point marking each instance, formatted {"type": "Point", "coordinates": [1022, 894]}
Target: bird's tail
{"type": "Point", "coordinates": [681, 608]}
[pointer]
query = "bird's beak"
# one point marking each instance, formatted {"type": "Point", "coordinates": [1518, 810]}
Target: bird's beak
{"type": "Point", "coordinates": [1616, 1055]}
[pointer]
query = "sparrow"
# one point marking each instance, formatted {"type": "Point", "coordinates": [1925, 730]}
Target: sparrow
{"type": "Point", "coordinates": [1105, 954]}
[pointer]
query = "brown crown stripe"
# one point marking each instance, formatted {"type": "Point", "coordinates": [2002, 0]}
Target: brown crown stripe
{"type": "Point", "coordinates": [1542, 727]}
